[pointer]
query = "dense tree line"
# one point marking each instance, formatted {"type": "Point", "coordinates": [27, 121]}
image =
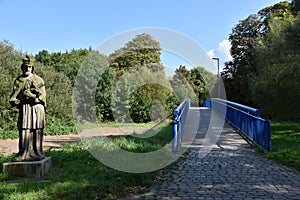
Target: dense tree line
{"type": "Point", "coordinates": [265, 69]}
{"type": "Point", "coordinates": [130, 85]}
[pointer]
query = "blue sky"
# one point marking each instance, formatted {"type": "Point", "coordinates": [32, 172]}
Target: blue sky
{"type": "Point", "coordinates": [60, 25]}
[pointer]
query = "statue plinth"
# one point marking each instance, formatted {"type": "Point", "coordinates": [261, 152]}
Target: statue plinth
{"type": "Point", "coordinates": [32, 169]}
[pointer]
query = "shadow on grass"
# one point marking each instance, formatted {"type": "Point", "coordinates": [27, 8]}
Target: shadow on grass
{"type": "Point", "coordinates": [286, 143]}
{"type": "Point", "coordinates": [76, 174]}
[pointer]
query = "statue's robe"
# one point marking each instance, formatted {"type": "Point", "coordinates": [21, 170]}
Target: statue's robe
{"type": "Point", "coordinates": [29, 96]}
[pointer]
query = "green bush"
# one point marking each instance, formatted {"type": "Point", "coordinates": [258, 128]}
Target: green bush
{"type": "Point", "coordinates": [58, 126]}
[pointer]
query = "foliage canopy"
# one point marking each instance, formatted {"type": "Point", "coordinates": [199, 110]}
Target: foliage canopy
{"type": "Point", "coordinates": [264, 71]}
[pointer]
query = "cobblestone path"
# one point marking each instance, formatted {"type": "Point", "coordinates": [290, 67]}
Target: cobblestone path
{"type": "Point", "coordinates": [231, 170]}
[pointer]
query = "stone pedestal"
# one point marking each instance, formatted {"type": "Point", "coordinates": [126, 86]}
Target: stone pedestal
{"type": "Point", "coordinates": [33, 169]}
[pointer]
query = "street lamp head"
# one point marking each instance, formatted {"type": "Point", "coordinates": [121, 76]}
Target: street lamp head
{"type": "Point", "coordinates": [215, 58]}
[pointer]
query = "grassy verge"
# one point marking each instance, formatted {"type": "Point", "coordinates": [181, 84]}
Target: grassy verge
{"type": "Point", "coordinates": [76, 174]}
{"type": "Point", "coordinates": [57, 127]}
{"type": "Point", "coordinates": [87, 125]}
{"type": "Point", "coordinates": [286, 143]}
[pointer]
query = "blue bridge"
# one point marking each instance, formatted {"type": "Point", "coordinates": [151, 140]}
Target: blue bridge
{"type": "Point", "coordinates": [219, 162]}
{"type": "Point", "coordinates": [204, 125]}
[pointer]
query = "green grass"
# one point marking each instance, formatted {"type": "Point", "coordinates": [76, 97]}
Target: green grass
{"type": "Point", "coordinates": [76, 174]}
{"type": "Point", "coordinates": [138, 144]}
{"type": "Point", "coordinates": [57, 127]}
{"type": "Point", "coordinates": [88, 125]}
{"type": "Point", "coordinates": [114, 124]}
{"type": "Point", "coordinates": [286, 143]}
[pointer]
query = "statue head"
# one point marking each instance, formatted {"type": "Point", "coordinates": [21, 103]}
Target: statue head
{"type": "Point", "coordinates": [27, 65]}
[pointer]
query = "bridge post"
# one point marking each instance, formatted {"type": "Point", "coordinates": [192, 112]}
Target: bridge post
{"type": "Point", "coordinates": [175, 145]}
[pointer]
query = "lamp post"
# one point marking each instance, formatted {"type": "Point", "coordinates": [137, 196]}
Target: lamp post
{"type": "Point", "coordinates": [218, 60]}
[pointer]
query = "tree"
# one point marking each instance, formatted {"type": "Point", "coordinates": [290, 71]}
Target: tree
{"type": "Point", "coordinates": [10, 62]}
{"type": "Point", "coordinates": [276, 87]}
{"type": "Point", "coordinates": [87, 87]}
{"type": "Point", "coordinates": [183, 86]}
{"type": "Point", "coordinates": [244, 37]}
{"type": "Point", "coordinates": [237, 72]}
{"type": "Point", "coordinates": [143, 50]}
{"type": "Point", "coordinates": [44, 57]}
{"type": "Point", "coordinates": [59, 100]}
{"type": "Point", "coordinates": [296, 4]}
{"type": "Point", "coordinates": [194, 84]}
{"type": "Point", "coordinates": [205, 83]}
{"type": "Point", "coordinates": [182, 73]}
{"type": "Point", "coordinates": [67, 63]}
{"type": "Point", "coordinates": [140, 79]}
{"type": "Point", "coordinates": [105, 88]}
{"type": "Point", "coordinates": [149, 99]}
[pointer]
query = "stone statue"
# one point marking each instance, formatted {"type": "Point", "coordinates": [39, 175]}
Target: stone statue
{"type": "Point", "coordinates": [29, 96]}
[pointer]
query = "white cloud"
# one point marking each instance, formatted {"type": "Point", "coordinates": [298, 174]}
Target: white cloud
{"type": "Point", "coordinates": [222, 52]}
{"type": "Point", "coordinates": [211, 53]}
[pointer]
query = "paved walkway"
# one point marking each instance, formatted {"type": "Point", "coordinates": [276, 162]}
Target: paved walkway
{"type": "Point", "coordinates": [230, 170]}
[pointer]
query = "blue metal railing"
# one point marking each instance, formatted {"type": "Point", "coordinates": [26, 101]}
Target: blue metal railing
{"type": "Point", "coordinates": [246, 119]}
{"type": "Point", "coordinates": [178, 124]}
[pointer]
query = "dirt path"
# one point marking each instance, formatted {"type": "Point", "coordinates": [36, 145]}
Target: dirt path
{"type": "Point", "coordinates": [10, 146]}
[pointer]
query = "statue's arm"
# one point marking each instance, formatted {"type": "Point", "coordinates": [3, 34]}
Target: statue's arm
{"type": "Point", "coordinates": [14, 101]}
{"type": "Point", "coordinates": [40, 89]}
{"type": "Point", "coordinates": [42, 96]}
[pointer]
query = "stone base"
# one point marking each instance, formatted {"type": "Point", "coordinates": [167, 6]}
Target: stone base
{"type": "Point", "coordinates": [33, 169]}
